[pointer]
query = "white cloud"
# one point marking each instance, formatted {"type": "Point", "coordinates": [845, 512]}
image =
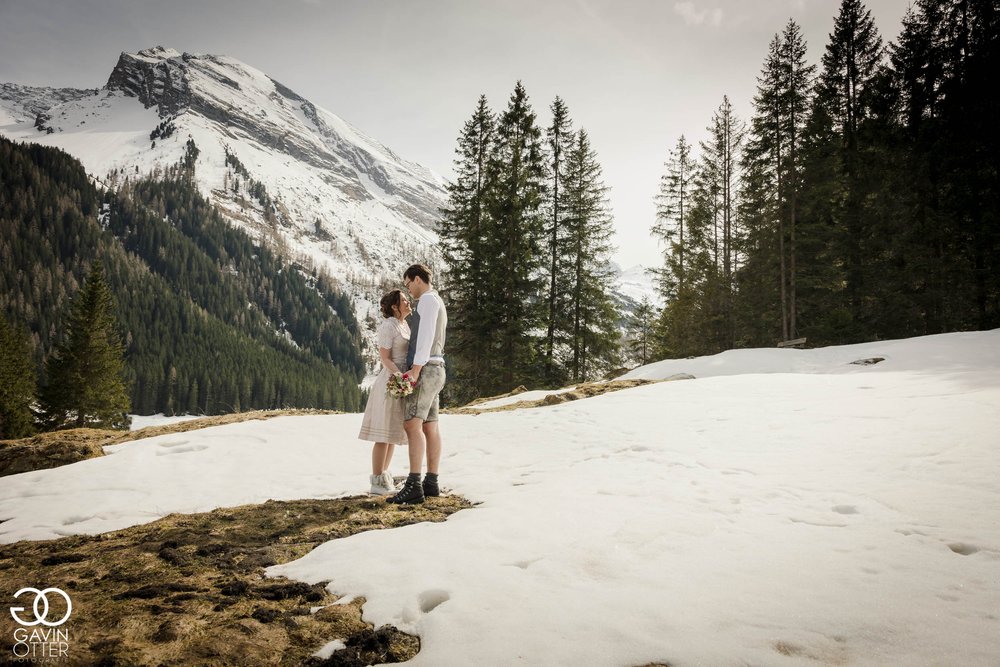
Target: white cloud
{"type": "Point", "coordinates": [693, 16]}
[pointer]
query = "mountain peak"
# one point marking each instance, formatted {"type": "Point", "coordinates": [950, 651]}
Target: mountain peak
{"type": "Point", "coordinates": [156, 76]}
{"type": "Point", "coordinates": [159, 53]}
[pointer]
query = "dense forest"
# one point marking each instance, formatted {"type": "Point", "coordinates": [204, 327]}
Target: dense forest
{"type": "Point", "coordinates": [211, 323]}
{"type": "Point", "coordinates": [858, 202]}
{"type": "Point", "coordinates": [526, 237]}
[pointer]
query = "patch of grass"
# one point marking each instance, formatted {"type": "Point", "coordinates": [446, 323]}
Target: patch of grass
{"type": "Point", "coordinates": [578, 392]}
{"type": "Point", "coordinates": [190, 589]}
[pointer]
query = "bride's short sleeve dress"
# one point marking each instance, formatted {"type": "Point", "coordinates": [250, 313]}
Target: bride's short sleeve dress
{"type": "Point", "coordinates": [383, 421]}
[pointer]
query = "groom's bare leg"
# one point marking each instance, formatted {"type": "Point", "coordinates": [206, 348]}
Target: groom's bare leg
{"type": "Point", "coordinates": [418, 443]}
{"type": "Point", "coordinates": [432, 436]}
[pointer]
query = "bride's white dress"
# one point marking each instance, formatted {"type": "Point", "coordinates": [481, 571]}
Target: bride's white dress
{"type": "Point", "coordinates": [383, 420]}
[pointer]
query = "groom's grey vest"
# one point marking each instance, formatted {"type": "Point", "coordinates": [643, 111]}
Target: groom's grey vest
{"type": "Point", "coordinates": [414, 321]}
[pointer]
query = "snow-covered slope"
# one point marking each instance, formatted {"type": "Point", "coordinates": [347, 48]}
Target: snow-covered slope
{"type": "Point", "coordinates": [785, 513]}
{"type": "Point", "coordinates": [340, 200]}
{"type": "Point", "coordinates": [636, 285]}
{"type": "Point", "coordinates": [941, 353]}
{"type": "Point", "coordinates": [22, 104]}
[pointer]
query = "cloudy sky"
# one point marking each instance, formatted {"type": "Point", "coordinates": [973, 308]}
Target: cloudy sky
{"type": "Point", "coordinates": [635, 73]}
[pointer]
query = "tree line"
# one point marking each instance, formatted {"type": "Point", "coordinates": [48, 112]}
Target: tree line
{"type": "Point", "coordinates": [525, 236]}
{"type": "Point", "coordinates": [858, 203]}
{"type": "Point", "coordinates": [208, 322]}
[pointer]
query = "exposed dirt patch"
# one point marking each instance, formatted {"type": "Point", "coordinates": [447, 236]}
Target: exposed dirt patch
{"type": "Point", "coordinates": [871, 361]}
{"type": "Point", "coordinates": [513, 392]}
{"type": "Point", "coordinates": [579, 392]}
{"type": "Point", "coordinates": [190, 589]}
{"type": "Point", "coordinates": [58, 448]}
{"type": "Point", "coordinates": [50, 450]}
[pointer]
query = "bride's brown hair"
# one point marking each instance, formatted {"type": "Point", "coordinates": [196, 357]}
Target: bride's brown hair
{"type": "Point", "coordinates": [393, 298]}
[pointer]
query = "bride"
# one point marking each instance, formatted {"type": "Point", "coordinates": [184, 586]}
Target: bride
{"type": "Point", "coordinates": [383, 421]}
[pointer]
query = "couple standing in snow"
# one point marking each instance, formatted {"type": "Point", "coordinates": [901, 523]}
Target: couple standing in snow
{"type": "Point", "coordinates": [410, 341]}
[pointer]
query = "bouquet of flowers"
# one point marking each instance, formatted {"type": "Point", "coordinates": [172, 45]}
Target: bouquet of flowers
{"type": "Point", "coordinates": [399, 385]}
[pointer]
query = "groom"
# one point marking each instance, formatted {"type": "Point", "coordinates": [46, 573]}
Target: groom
{"type": "Point", "coordinates": [425, 359]}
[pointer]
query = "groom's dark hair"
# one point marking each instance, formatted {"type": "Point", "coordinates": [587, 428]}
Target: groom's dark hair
{"type": "Point", "coordinates": [418, 271]}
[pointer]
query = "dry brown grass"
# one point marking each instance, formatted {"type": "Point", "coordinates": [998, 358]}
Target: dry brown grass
{"type": "Point", "coordinates": [190, 589]}
{"type": "Point", "coordinates": [579, 392]}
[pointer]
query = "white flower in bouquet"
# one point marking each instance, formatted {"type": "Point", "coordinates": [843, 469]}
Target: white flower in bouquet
{"type": "Point", "coordinates": [399, 385]}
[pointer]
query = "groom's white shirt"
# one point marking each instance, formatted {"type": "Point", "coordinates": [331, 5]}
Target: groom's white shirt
{"type": "Point", "coordinates": [428, 308]}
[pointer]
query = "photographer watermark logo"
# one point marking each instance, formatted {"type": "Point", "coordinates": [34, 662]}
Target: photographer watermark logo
{"type": "Point", "coordinates": [48, 641]}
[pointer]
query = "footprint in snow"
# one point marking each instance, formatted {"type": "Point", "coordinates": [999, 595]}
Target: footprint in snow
{"type": "Point", "coordinates": [172, 444]}
{"type": "Point", "coordinates": [430, 599]}
{"type": "Point", "coordinates": [963, 549]}
{"type": "Point", "coordinates": [175, 449]}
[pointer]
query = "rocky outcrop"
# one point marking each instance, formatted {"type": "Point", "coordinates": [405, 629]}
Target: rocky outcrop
{"type": "Point", "coordinates": [156, 76]}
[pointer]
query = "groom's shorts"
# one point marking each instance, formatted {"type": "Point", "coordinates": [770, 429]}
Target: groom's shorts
{"type": "Point", "coordinates": [423, 402]}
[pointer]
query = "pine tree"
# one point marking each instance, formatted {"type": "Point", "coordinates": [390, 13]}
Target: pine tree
{"type": "Point", "coordinates": [797, 77]}
{"type": "Point", "coordinates": [640, 333]}
{"type": "Point", "coordinates": [672, 209]}
{"type": "Point", "coordinates": [595, 342]}
{"type": "Point", "coordinates": [17, 383]}
{"type": "Point", "coordinates": [469, 258]}
{"type": "Point", "coordinates": [559, 140]}
{"type": "Point", "coordinates": [761, 279]}
{"type": "Point", "coordinates": [715, 200]}
{"type": "Point", "coordinates": [851, 64]}
{"type": "Point", "coordinates": [516, 228]}
{"type": "Point", "coordinates": [85, 385]}
{"type": "Point", "coordinates": [772, 163]}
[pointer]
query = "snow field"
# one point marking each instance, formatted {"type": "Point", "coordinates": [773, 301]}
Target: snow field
{"type": "Point", "coordinates": [766, 518]}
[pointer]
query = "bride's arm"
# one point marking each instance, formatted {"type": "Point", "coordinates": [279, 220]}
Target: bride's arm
{"type": "Point", "coordinates": [386, 360]}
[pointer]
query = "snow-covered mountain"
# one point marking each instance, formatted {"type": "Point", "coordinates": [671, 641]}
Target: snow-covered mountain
{"type": "Point", "coordinates": [635, 284]}
{"type": "Point", "coordinates": [337, 198]}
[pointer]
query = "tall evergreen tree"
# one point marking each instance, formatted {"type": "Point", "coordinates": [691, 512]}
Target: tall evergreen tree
{"type": "Point", "coordinates": [761, 280]}
{"type": "Point", "coordinates": [844, 98]}
{"type": "Point", "coordinates": [772, 187]}
{"type": "Point", "coordinates": [715, 203]}
{"type": "Point", "coordinates": [797, 99]}
{"type": "Point", "coordinates": [85, 375]}
{"type": "Point", "coordinates": [641, 322]}
{"type": "Point", "coordinates": [673, 204]}
{"type": "Point", "coordinates": [469, 257]}
{"type": "Point", "coordinates": [516, 171]}
{"type": "Point", "coordinates": [595, 341]}
{"type": "Point", "coordinates": [559, 141]}
{"type": "Point", "coordinates": [17, 383]}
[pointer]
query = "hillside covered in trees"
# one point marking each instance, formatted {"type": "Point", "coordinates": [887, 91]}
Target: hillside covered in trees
{"type": "Point", "coordinates": [211, 322]}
